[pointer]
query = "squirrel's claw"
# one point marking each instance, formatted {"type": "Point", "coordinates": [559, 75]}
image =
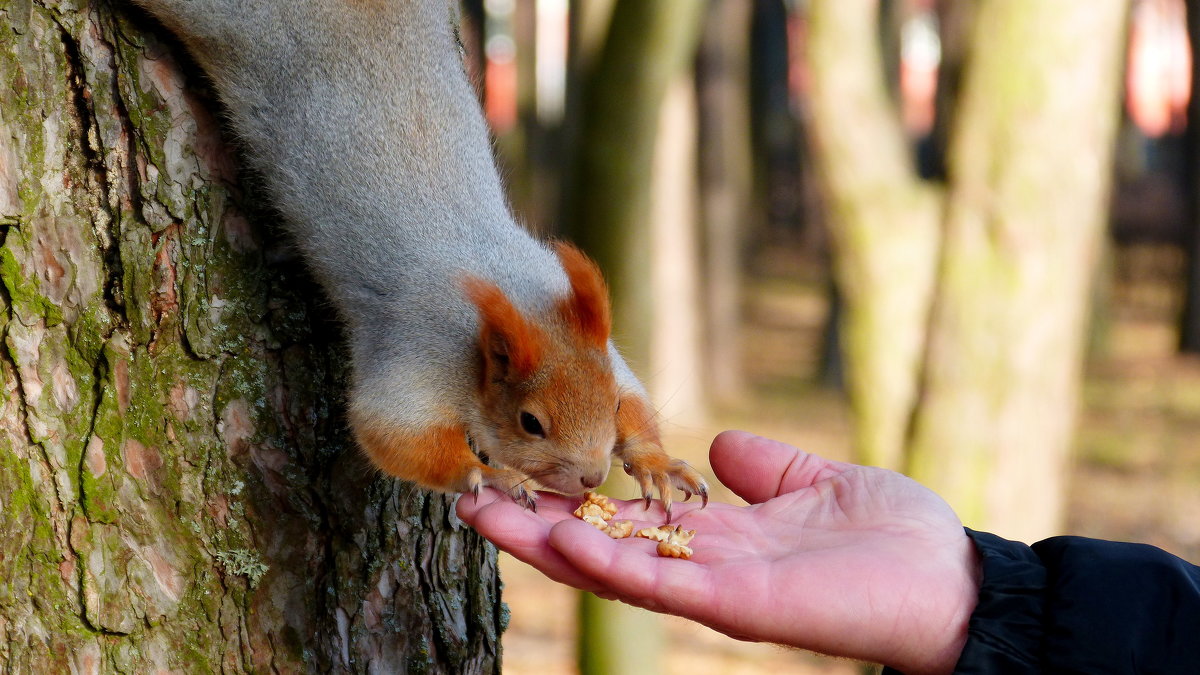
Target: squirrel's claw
{"type": "Point", "coordinates": [663, 485]}
{"type": "Point", "coordinates": [507, 481]}
{"type": "Point", "coordinates": [654, 470]}
{"type": "Point", "coordinates": [524, 497]}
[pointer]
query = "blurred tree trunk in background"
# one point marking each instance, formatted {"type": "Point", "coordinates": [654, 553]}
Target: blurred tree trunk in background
{"type": "Point", "coordinates": [885, 224]}
{"type": "Point", "coordinates": [1003, 290]}
{"type": "Point", "coordinates": [1030, 161]}
{"type": "Point", "coordinates": [776, 129]}
{"type": "Point", "coordinates": [956, 25]}
{"type": "Point", "coordinates": [607, 202]}
{"type": "Point", "coordinates": [1189, 328]}
{"type": "Point", "coordinates": [675, 373]}
{"type": "Point", "coordinates": [527, 138]}
{"type": "Point", "coordinates": [178, 490]}
{"type": "Point", "coordinates": [892, 15]}
{"type": "Point", "coordinates": [471, 33]}
{"type": "Point", "coordinates": [726, 172]}
{"type": "Point", "coordinates": [588, 28]}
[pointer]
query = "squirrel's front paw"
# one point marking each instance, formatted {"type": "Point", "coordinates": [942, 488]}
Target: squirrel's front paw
{"type": "Point", "coordinates": [654, 469]}
{"type": "Point", "coordinates": [511, 483]}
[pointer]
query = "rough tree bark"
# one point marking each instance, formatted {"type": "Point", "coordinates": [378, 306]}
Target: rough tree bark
{"type": "Point", "coordinates": [177, 487]}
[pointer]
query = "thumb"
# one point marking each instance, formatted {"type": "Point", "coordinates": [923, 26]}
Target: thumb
{"type": "Point", "coordinates": [758, 468]}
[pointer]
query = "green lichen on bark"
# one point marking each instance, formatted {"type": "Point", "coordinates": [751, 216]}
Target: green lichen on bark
{"type": "Point", "coordinates": [179, 491]}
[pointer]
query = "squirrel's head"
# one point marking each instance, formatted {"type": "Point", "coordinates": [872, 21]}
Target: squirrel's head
{"type": "Point", "coordinates": [546, 388]}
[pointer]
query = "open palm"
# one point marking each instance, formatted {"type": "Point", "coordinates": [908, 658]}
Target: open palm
{"type": "Point", "coordinates": [834, 557]}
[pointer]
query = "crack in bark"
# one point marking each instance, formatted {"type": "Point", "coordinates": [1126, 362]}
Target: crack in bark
{"type": "Point", "coordinates": [105, 219]}
{"type": "Point", "coordinates": [114, 292]}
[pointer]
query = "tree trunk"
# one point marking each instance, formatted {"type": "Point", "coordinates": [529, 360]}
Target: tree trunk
{"type": "Point", "coordinates": [178, 488]}
{"type": "Point", "coordinates": [1189, 325]}
{"type": "Point", "coordinates": [884, 221]}
{"type": "Point", "coordinates": [677, 385]}
{"type": "Point", "coordinates": [986, 311]}
{"type": "Point", "coordinates": [609, 198]}
{"type": "Point", "coordinates": [1030, 163]}
{"type": "Point", "coordinates": [726, 172]}
{"type": "Point", "coordinates": [956, 27]}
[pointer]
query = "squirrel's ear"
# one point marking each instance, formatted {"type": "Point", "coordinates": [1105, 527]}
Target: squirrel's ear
{"type": "Point", "coordinates": [512, 347]}
{"type": "Point", "coordinates": [586, 309]}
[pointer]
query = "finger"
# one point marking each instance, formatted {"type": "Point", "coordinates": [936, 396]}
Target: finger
{"type": "Point", "coordinates": [634, 572]}
{"type": "Point", "coordinates": [551, 505]}
{"type": "Point", "coordinates": [758, 468]}
{"type": "Point", "coordinates": [523, 534]}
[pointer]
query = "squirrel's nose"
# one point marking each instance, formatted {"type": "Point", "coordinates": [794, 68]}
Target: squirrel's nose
{"type": "Point", "coordinates": [590, 481]}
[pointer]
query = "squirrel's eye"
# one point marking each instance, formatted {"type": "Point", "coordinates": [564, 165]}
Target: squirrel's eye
{"type": "Point", "coordinates": [532, 425]}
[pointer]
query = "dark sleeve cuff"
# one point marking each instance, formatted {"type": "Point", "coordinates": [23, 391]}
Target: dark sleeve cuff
{"type": "Point", "coordinates": [1076, 605]}
{"type": "Point", "coordinates": [1006, 631]}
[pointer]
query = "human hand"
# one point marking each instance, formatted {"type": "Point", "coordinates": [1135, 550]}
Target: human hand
{"type": "Point", "coordinates": [837, 558]}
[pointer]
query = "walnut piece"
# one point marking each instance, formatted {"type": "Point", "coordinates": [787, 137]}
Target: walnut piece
{"type": "Point", "coordinates": [597, 511]}
{"type": "Point", "coordinates": [596, 505]}
{"type": "Point", "coordinates": [619, 529]}
{"type": "Point", "coordinates": [659, 533]}
{"type": "Point", "coordinates": [672, 541]}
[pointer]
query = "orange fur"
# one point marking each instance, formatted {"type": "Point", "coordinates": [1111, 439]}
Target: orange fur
{"type": "Point", "coordinates": [437, 458]}
{"type": "Point", "coordinates": [586, 309]}
{"type": "Point", "coordinates": [636, 424]}
{"type": "Point", "coordinates": [503, 331]}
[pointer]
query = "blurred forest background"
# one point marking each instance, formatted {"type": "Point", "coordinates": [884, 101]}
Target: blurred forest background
{"type": "Point", "coordinates": [957, 238]}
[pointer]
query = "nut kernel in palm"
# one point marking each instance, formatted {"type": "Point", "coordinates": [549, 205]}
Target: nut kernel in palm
{"type": "Point", "coordinates": [669, 550]}
{"type": "Point", "coordinates": [659, 533]}
{"type": "Point", "coordinates": [672, 541]}
{"type": "Point", "coordinates": [597, 511]}
{"type": "Point", "coordinates": [595, 521]}
{"type": "Point", "coordinates": [597, 506]}
{"type": "Point", "coordinates": [619, 529]}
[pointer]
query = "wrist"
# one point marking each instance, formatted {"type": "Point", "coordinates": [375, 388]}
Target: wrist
{"type": "Point", "coordinates": [937, 651]}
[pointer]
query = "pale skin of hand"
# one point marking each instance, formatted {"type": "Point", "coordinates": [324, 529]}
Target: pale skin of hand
{"type": "Point", "coordinates": [836, 558]}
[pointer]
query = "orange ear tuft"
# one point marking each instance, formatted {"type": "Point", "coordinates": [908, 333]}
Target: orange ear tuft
{"type": "Point", "coordinates": [587, 308]}
{"type": "Point", "coordinates": [511, 345]}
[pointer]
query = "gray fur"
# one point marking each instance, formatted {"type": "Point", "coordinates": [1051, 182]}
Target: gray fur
{"type": "Point", "coordinates": [374, 148]}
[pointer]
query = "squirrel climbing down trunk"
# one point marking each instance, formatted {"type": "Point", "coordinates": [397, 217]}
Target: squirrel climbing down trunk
{"type": "Point", "coordinates": [467, 335]}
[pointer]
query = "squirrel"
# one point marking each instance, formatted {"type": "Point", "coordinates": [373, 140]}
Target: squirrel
{"type": "Point", "coordinates": [468, 337]}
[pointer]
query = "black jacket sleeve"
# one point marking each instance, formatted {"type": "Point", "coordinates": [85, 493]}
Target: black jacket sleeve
{"type": "Point", "coordinates": [1076, 605]}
